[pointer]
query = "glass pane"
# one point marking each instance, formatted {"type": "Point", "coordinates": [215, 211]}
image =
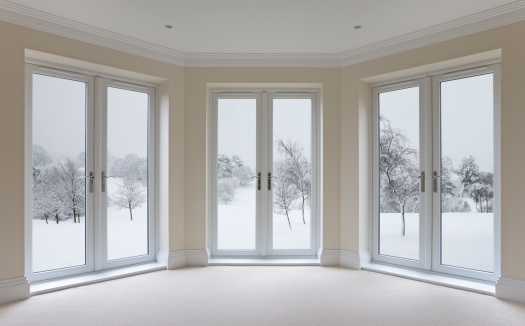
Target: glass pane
{"type": "Point", "coordinates": [398, 173]}
{"type": "Point", "coordinates": [292, 171]}
{"type": "Point", "coordinates": [127, 163]}
{"type": "Point", "coordinates": [236, 190]}
{"type": "Point", "coordinates": [467, 172]}
{"type": "Point", "coordinates": [59, 164]}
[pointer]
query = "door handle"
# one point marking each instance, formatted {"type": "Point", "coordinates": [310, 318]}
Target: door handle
{"type": "Point", "coordinates": [91, 181]}
{"type": "Point", "coordinates": [422, 177]}
{"type": "Point", "coordinates": [258, 176]}
{"type": "Point", "coordinates": [104, 177]}
{"type": "Point", "coordinates": [434, 178]}
{"type": "Point", "coordinates": [270, 180]}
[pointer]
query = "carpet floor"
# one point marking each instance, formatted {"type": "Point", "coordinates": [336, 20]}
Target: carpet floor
{"type": "Point", "coordinates": [262, 295]}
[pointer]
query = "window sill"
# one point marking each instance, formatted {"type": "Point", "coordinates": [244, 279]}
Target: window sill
{"type": "Point", "coordinates": [95, 277]}
{"type": "Point", "coordinates": [456, 282]}
{"type": "Point", "coordinates": [218, 261]}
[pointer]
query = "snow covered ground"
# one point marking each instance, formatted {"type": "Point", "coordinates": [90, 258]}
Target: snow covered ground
{"type": "Point", "coordinates": [236, 224]}
{"type": "Point", "coordinates": [63, 245]}
{"type": "Point", "coordinates": [467, 239]}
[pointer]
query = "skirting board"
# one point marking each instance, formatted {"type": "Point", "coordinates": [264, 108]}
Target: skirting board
{"type": "Point", "coordinates": [181, 258]}
{"type": "Point", "coordinates": [344, 258]}
{"type": "Point", "coordinates": [510, 289]}
{"type": "Point", "coordinates": [14, 289]}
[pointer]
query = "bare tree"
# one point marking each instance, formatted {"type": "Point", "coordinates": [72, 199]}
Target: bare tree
{"type": "Point", "coordinates": [298, 169]}
{"type": "Point", "coordinates": [129, 194]}
{"type": "Point", "coordinates": [284, 191]}
{"type": "Point", "coordinates": [67, 186]}
{"type": "Point", "coordinates": [398, 166]}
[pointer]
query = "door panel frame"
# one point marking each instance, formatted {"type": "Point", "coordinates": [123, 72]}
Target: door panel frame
{"type": "Point", "coordinates": [31, 69]}
{"type": "Point", "coordinates": [436, 214]}
{"type": "Point", "coordinates": [101, 246]}
{"type": "Point", "coordinates": [264, 98]}
{"type": "Point", "coordinates": [424, 166]}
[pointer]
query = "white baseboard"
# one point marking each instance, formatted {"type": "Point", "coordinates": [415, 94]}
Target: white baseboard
{"type": "Point", "coordinates": [344, 258]}
{"type": "Point", "coordinates": [181, 258]}
{"type": "Point", "coordinates": [14, 289]}
{"type": "Point", "coordinates": [510, 289]}
{"type": "Point", "coordinates": [162, 257]}
{"type": "Point", "coordinates": [328, 257]}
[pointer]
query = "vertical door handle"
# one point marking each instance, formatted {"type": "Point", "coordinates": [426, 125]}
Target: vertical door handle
{"type": "Point", "coordinates": [422, 177]}
{"type": "Point", "coordinates": [258, 176]}
{"type": "Point", "coordinates": [91, 180]}
{"type": "Point", "coordinates": [270, 180]}
{"type": "Point", "coordinates": [104, 177]}
{"type": "Point", "coordinates": [435, 178]}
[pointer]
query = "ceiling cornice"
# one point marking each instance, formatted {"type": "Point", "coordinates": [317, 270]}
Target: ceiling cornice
{"type": "Point", "coordinates": [42, 21]}
{"type": "Point", "coordinates": [482, 21]}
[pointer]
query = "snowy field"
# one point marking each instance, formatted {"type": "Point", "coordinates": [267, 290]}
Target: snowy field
{"type": "Point", "coordinates": [467, 239]}
{"type": "Point", "coordinates": [236, 224]}
{"type": "Point", "coordinates": [62, 245]}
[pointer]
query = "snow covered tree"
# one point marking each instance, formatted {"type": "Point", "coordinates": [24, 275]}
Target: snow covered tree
{"type": "Point", "coordinates": [66, 184]}
{"type": "Point", "coordinates": [129, 195]}
{"type": "Point", "coordinates": [243, 173]}
{"type": "Point", "coordinates": [398, 167]}
{"type": "Point", "coordinates": [131, 166]}
{"type": "Point", "coordinates": [285, 193]}
{"type": "Point", "coordinates": [225, 190]}
{"type": "Point", "coordinates": [41, 159]}
{"type": "Point", "coordinates": [225, 166]}
{"type": "Point", "coordinates": [475, 184]}
{"type": "Point", "coordinates": [297, 168]}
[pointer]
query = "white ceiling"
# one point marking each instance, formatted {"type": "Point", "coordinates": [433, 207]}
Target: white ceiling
{"type": "Point", "coordinates": [261, 27]}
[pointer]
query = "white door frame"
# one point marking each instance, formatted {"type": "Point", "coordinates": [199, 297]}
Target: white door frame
{"type": "Point", "coordinates": [28, 184]}
{"type": "Point", "coordinates": [96, 228]}
{"type": "Point", "coordinates": [425, 166]}
{"type": "Point", "coordinates": [101, 245]}
{"type": "Point", "coordinates": [436, 106]}
{"type": "Point", "coordinates": [430, 228]}
{"type": "Point", "coordinates": [264, 98]}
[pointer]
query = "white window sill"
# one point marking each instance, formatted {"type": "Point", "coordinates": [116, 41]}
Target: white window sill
{"type": "Point", "coordinates": [217, 261]}
{"type": "Point", "coordinates": [456, 282]}
{"type": "Point", "coordinates": [95, 277]}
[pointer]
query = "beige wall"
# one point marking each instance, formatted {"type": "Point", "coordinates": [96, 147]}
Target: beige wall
{"type": "Point", "coordinates": [196, 102]}
{"type": "Point", "coordinates": [183, 100]}
{"type": "Point", "coordinates": [13, 42]}
{"type": "Point", "coordinates": [354, 135]}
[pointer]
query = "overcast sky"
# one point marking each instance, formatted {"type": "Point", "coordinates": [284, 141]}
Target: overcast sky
{"type": "Point", "coordinates": [237, 126]}
{"type": "Point", "coordinates": [59, 109]}
{"type": "Point", "coordinates": [466, 118]}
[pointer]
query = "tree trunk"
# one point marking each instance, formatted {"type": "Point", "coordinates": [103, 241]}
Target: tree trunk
{"type": "Point", "coordinates": [304, 222]}
{"type": "Point", "coordinates": [403, 216]}
{"type": "Point", "coordinates": [45, 216]}
{"type": "Point", "coordinates": [56, 216]}
{"type": "Point", "coordinates": [130, 212]}
{"type": "Point", "coordinates": [288, 217]}
{"type": "Point", "coordinates": [74, 216]}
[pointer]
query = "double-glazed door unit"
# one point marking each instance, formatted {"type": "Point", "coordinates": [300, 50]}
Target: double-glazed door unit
{"type": "Point", "coordinates": [89, 173]}
{"type": "Point", "coordinates": [263, 178]}
{"type": "Point", "coordinates": [436, 173]}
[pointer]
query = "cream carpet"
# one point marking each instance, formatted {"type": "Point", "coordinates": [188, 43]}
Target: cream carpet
{"type": "Point", "coordinates": [270, 295]}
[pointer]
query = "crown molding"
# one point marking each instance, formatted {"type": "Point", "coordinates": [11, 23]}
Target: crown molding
{"type": "Point", "coordinates": [492, 18]}
{"type": "Point", "coordinates": [25, 16]}
{"type": "Point", "coordinates": [262, 60]}
{"type": "Point", "coordinates": [39, 20]}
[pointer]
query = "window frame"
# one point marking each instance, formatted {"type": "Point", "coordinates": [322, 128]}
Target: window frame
{"type": "Point", "coordinates": [431, 108]}
{"type": "Point", "coordinates": [263, 232]}
{"type": "Point", "coordinates": [95, 259]}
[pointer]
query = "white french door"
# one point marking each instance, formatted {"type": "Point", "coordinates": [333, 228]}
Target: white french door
{"type": "Point", "coordinates": [436, 173]}
{"type": "Point", "coordinates": [263, 194]}
{"type": "Point", "coordinates": [89, 185]}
